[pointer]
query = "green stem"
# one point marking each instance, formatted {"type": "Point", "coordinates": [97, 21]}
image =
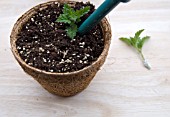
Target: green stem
{"type": "Point", "coordinates": [141, 54]}
{"type": "Point", "coordinates": [145, 63]}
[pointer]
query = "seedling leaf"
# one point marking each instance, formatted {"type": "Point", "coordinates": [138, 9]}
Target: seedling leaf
{"type": "Point", "coordinates": [71, 17]}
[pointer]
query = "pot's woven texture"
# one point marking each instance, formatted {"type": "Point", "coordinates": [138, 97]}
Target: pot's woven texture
{"type": "Point", "coordinates": [63, 84]}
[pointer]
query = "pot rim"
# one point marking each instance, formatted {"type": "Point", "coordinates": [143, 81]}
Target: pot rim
{"type": "Point", "coordinates": [104, 24]}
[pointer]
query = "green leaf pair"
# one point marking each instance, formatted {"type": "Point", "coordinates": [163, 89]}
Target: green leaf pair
{"type": "Point", "coordinates": [136, 41]}
{"type": "Point", "coordinates": [72, 17]}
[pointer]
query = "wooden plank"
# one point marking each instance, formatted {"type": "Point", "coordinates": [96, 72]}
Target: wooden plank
{"type": "Point", "coordinates": [122, 88]}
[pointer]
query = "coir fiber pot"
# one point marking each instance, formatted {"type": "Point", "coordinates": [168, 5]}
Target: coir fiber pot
{"type": "Point", "coordinates": [62, 84]}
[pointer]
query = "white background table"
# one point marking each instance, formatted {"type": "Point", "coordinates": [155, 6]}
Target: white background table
{"type": "Point", "coordinates": [122, 88]}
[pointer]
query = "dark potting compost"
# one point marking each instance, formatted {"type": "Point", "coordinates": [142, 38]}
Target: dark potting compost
{"type": "Point", "coordinates": [43, 43]}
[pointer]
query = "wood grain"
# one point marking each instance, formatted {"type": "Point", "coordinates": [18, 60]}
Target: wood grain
{"type": "Point", "coordinates": [122, 88]}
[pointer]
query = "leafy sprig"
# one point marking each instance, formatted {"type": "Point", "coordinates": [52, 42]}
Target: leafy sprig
{"type": "Point", "coordinates": [72, 17]}
{"type": "Point", "coordinates": [137, 42]}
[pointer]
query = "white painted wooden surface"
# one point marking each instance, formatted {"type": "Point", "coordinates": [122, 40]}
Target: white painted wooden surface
{"type": "Point", "coordinates": [122, 88]}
